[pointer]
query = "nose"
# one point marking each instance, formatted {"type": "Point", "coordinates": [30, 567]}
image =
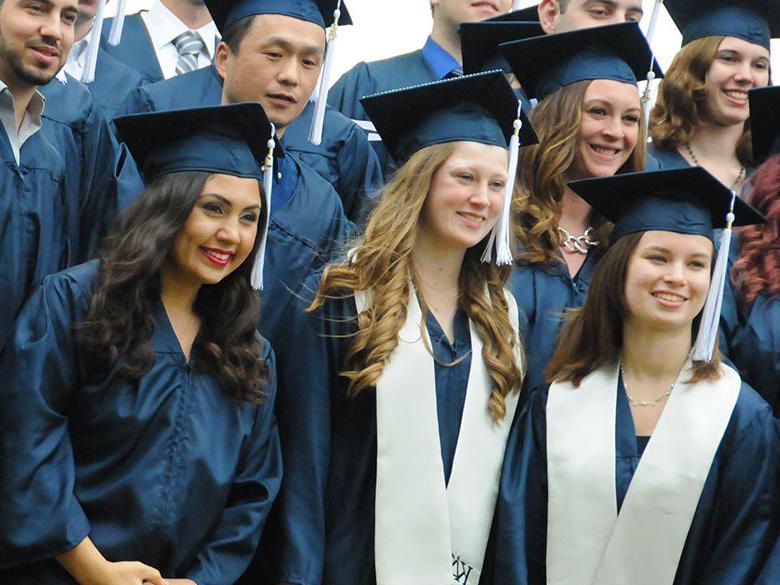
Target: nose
{"type": "Point", "coordinates": [480, 195]}
{"type": "Point", "coordinates": [229, 232]}
{"type": "Point", "coordinates": [675, 274]}
{"type": "Point", "coordinates": [613, 128]}
{"type": "Point", "coordinates": [288, 72]}
{"type": "Point", "coordinates": [52, 26]}
{"type": "Point", "coordinates": [744, 73]}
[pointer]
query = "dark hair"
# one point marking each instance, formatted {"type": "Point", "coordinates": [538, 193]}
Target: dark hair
{"type": "Point", "coordinates": [119, 323]}
{"type": "Point", "coordinates": [757, 270]}
{"type": "Point", "coordinates": [592, 335]}
{"type": "Point", "coordinates": [236, 32]}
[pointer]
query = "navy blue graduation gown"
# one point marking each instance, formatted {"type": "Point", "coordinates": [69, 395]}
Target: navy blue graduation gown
{"type": "Point", "coordinates": [543, 292]}
{"type": "Point", "coordinates": [36, 212]}
{"type": "Point", "coordinates": [113, 81]}
{"type": "Point", "coordinates": [100, 170]}
{"type": "Point", "coordinates": [374, 77]}
{"type": "Point", "coordinates": [323, 529]}
{"type": "Point", "coordinates": [755, 349]}
{"type": "Point", "coordinates": [169, 470]}
{"type": "Point", "coordinates": [733, 529]}
{"type": "Point", "coordinates": [135, 49]}
{"type": "Point", "coordinates": [344, 158]}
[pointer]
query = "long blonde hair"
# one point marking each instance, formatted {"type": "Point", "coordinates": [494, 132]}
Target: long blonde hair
{"type": "Point", "coordinates": [537, 206]}
{"type": "Point", "coordinates": [382, 263]}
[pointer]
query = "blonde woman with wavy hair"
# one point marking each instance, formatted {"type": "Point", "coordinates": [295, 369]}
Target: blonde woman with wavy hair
{"type": "Point", "coordinates": [401, 376]}
{"type": "Point", "coordinates": [701, 115]}
{"type": "Point", "coordinates": [589, 121]}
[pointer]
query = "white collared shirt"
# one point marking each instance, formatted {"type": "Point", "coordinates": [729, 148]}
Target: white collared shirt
{"type": "Point", "coordinates": [164, 26]}
{"type": "Point", "coordinates": [31, 122]}
{"type": "Point", "coordinates": [77, 59]}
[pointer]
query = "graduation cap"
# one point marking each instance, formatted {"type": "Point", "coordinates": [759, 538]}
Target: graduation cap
{"type": "Point", "coordinates": [525, 14]}
{"type": "Point", "coordinates": [480, 41]}
{"type": "Point", "coordinates": [236, 139]}
{"type": "Point", "coordinates": [547, 63]}
{"type": "Point", "coordinates": [685, 201]}
{"type": "Point", "coordinates": [473, 108]}
{"type": "Point", "coordinates": [765, 112]}
{"type": "Point", "coordinates": [755, 21]}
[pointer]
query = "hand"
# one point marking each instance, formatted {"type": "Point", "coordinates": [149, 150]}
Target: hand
{"type": "Point", "coordinates": [126, 573]}
{"type": "Point", "coordinates": [180, 582]}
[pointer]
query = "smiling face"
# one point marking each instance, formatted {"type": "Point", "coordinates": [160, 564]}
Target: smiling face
{"type": "Point", "coordinates": [558, 16]}
{"type": "Point", "coordinates": [609, 129]}
{"type": "Point", "coordinates": [465, 197]}
{"type": "Point", "coordinates": [667, 279]}
{"type": "Point", "coordinates": [738, 67]}
{"type": "Point", "coordinates": [277, 64]}
{"type": "Point", "coordinates": [456, 12]}
{"type": "Point", "coordinates": [219, 233]}
{"type": "Point", "coordinates": [35, 37]}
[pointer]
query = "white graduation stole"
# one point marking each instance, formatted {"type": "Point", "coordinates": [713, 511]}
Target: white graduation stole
{"type": "Point", "coordinates": [428, 533]}
{"type": "Point", "coordinates": [588, 543]}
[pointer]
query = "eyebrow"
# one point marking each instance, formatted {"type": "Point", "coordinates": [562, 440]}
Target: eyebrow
{"type": "Point", "coordinates": [667, 251]}
{"type": "Point", "coordinates": [613, 4]}
{"type": "Point", "coordinates": [285, 44]}
{"type": "Point", "coordinates": [227, 201]}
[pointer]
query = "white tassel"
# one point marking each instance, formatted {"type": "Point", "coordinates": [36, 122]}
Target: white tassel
{"type": "Point", "coordinates": [115, 34]}
{"type": "Point", "coordinates": [88, 75]}
{"type": "Point", "coordinates": [500, 235]}
{"type": "Point", "coordinates": [256, 278]}
{"type": "Point", "coordinates": [704, 346]}
{"type": "Point", "coordinates": [318, 121]}
{"type": "Point", "coordinates": [647, 95]}
{"type": "Point", "coordinates": [516, 5]}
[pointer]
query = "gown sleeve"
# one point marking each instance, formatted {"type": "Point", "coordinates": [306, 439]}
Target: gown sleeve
{"type": "Point", "coordinates": [360, 174]}
{"type": "Point", "coordinates": [232, 544]}
{"type": "Point", "coordinates": [308, 366]}
{"type": "Point", "coordinates": [40, 516]}
{"type": "Point", "coordinates": [136, 102]}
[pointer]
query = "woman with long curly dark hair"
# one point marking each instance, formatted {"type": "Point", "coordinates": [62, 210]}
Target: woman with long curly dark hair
{"type": "Point", "coordinates": [137, 434]}
{"type": "Point", "coordinates": [400, 353]}
{"type": "Point", "coordinates": [755, 274]}
{"type": "Point", "coordinates": [700, 117]}
{"type": "Point", "coordinates": [589, 121]}
{"type": "Point", "coordinates": [646, 460]}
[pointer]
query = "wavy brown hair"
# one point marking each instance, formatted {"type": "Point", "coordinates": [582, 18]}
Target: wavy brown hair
{"type": "Point", "coordinates": [382, 263]}
{"type": "Point", "coordinates": [543, 166]}
{"type": "Point", "coordinates": [680, 105]}
{"type": "Point", "coordinates": [757, 270]}
{"type": "Point", "coordinates": [119, 324]}
{"type": "Point", "coordinates": [592, 335]}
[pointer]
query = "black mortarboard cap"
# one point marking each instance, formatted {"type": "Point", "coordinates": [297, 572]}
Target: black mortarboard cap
{"type": "Point", "coordinates": [755, 21]}
{"type": "Point", "coordinates": [687, 201]}
{"type": "Point", "coordinates": [229, 140]}
{"type": "Point", "coordinates": [765, 121]}
{"type": "Point", "coordinates": [480, 41]}
{"type": "Point", "coordinates": [475, 108]}
{"type": "Point", "coordinates": [546, 63]}
{"type": "Point", "coordinates": [228, 12]}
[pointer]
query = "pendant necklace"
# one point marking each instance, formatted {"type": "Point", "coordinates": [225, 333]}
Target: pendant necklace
{"type": "Point", "coordinates": [740, 174]}
{"type": "Point", "coordinates": [579, 244]}
{"type": "Point", "coordinates": [643, 403]}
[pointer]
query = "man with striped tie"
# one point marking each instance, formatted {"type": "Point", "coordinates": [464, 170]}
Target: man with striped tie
{"type": "Point", "coordinates": [171, 38]}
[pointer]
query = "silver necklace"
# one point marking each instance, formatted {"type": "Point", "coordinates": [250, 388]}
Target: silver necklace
{"type": "Point", "coordinates": [740, 174]}
{"type": "Point", "coordinates": [650, 403]}
{"type": "Point", "coordinates": [580, 244]}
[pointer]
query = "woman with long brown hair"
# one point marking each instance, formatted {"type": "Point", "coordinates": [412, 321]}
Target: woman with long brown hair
{"type": "Point", "coordinates": [646, 460]}
{"type": "Point", "coordinates": [402, 352]}
{"type": "Point", "coordinates": [589, 120]}
{"type": "Point", "coordinates": [137, 436]}
{"type": "Point", "coordinates": [701, 114]}
{"type": "Point", "coordinates": [755, 275]}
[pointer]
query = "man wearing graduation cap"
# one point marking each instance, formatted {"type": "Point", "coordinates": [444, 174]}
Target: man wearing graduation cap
{"type": "Point", "coordinates": [108, 79]}
{"type": "Point", "coordinates": [340, 153]}
{"type": "Point", "coordinates": [64, 170]}
{"type": "Point", "coordinates": [557, 16]}
{"type": "Point", "coordinates": [440, 57]}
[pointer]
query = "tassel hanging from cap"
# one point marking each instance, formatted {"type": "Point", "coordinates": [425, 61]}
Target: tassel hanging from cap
{"type": "Point", "coordinates": [88, 75]}
{"type": "Point", "coordinates": [256, 277]}
{"type": "Point", "coordinates": [318, 121]}
{"type": "Point", "coordinates": [500, 234]}
{"type": "Point", "coordinates": [704, 346]}
{"type": "Point", "coordinates": [118, 24]}
{"type": "Point", "coordinates": [647, 94]}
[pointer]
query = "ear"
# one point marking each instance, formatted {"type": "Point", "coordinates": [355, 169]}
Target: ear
{"type": "Point", "coordinates": [548, 11]}
{"type": "Point", "coordinates": [221, 57]}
